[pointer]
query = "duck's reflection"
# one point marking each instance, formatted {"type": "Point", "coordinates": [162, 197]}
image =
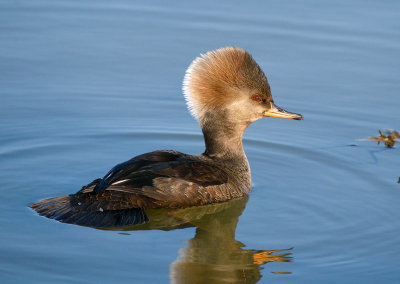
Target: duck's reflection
{"type": "Point", "coordinates": [213, 255]}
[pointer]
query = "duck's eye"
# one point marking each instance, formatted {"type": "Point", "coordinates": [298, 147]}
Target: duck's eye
{"type": "Point", "coordinates": [256, 98]}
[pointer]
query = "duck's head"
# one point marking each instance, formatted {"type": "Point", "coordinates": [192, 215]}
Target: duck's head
{"type": "Point", "coordinates": [229, 82]}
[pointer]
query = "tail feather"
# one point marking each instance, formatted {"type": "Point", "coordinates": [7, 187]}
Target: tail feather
{"type": "Point", "coordinates": [66, 210]}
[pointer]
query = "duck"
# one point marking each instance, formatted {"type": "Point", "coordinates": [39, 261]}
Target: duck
{"type": "Point", "coordinates": [225, 91]}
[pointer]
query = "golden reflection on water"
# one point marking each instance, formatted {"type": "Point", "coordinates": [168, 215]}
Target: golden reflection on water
{"type": "Point", "coordinates": [213, 255]}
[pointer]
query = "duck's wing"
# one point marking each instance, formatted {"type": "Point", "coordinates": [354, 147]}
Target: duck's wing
{"type": "Point", "coordinates": [153, 180]}
{"type": "Point", "coordinates": [157, 179]}
{"type": "Point", "coordinates": [132, 170]}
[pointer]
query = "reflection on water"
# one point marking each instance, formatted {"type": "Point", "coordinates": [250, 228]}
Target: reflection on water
{"type": "Point", "coordinates": [213, 255]}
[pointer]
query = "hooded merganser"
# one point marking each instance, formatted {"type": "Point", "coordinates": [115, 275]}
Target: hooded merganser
{"type": "Point", "coordinates": [226, 91]}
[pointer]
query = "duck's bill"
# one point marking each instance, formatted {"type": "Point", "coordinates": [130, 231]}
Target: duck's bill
{"type": "Point", "coordinates": [276, 111]}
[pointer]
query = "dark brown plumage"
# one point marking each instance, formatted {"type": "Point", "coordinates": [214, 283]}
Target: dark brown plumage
{"type": "Point", "coordinates": [226, 91]}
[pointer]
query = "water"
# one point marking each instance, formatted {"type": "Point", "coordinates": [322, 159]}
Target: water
{"type": "Point", "coordinates": [87, 85]}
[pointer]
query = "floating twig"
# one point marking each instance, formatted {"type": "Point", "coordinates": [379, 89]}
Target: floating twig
{"type": "Point", "coordinates": [389, 138]}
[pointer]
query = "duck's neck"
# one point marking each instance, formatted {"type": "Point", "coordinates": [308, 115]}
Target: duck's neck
{"type": "Point", "coordinates": [223, 137]}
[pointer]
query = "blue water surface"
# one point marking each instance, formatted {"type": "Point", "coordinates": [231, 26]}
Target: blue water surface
{"type": "Point", "coordinates": [85, 85]}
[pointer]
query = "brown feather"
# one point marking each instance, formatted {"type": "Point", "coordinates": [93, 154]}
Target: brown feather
{"type": "Point", "coordinates": [212, 80]}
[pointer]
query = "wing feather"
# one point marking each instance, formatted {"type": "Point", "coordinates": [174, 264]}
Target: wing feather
{"type": "Point", "coordinates": [157, 179]}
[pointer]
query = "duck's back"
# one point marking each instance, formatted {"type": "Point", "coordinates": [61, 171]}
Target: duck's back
{"type": "Point", "coordinates": [159, 179]}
